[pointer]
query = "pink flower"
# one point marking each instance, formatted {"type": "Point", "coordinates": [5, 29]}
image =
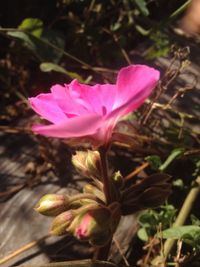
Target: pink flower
{"type": "Point", "coordinates": [83, 111]}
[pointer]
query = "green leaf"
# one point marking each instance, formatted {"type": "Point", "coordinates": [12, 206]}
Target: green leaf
{"type": "Point", "coordinates": [174, 154]}
{"type": "Point", "coordinates": [195, 220]}
{"type": "Point", "coordinates": [190, 234]}
{"type": "Point", "coordinates": [49, 47]}
{"type": "Point", "coordinates": [80, 263]}
{"type": "Point", "coordinates": [142, 6]}
{"type": "Point", "coordinates": [178, 183]}
{"type": "Point", "coordinates": [154, 161]}
{"type": "Point", "coordinates": [32, 25]}
{"type": "Point", "coordinates": [55, 38]}
{"type": "Point", "coordinates": [142, 234]}
{"type": "Point", "coordinates": [141, 30]}
{"type": "Point", "coordinates": [48, 67]}
{"type": "Point", "coordinates": [28, 40]}
{"type": "Point", "coordinates": [178, 232]}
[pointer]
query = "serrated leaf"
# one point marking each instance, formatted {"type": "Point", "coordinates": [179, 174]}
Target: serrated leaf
{"type": "Point", "coordinates": [48, 67]}
{"type": "Point", "coordinates": [32, 25]}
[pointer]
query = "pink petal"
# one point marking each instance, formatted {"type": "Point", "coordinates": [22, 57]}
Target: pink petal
{"type": "Point", "coordinates": [46, 106]}
{"type": "Point", "coordinates": [98, 98]}
{"type": "Point", "coordinates": [66, 102]}
{"type": "Point", "coordinates": [74, 127]}
{"type": "Point", "coordinates": [134, 84]}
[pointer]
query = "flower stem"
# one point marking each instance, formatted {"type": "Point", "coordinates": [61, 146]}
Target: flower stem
{"type": "Point", "coordinates": [103, 252]}
{"type": "Point", "coordinates": [105, 178]}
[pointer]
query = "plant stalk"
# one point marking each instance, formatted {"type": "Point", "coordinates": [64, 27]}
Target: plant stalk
{"type": "Point", "coordinates": [105, 178]}
{"type": "Point", "coordinates": [103, 252]}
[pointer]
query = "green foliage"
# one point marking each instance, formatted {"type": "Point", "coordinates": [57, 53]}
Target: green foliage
{"type": "Point", "coordinates": [155, 161]}
{"type": "Point", "coordinates": [142, 6]}
{"type": "Point", "coordinates": [48, 67]}
{"type": "Point", "coordinates": [45, 44]}
{"type": "Point", "coordinates": [161, 45]}
{"type": "Point", "coordinates": [151, 219]}
{"type": "Point", "coordinates": [195, 220]}
{"type": "Point", "coordinates": [157, 164]}
{"type": "Point", "coordinates": [196, 161]}
{"type": "Point", "coordinates": [178, 183]}
{"type": "Point", "coordinates": [177, 152]}
{"type": "Point", "coordinates": [33, 26]}
{"type": "Point", "coordinates": [190, 234]}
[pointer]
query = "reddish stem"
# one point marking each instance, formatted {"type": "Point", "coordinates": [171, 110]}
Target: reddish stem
{"type": "Point", "coordinates": [105, 178]}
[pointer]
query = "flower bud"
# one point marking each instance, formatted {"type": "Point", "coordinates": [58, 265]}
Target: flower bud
{"type": "Point", "coordinates": [62, 222]}
{"type": "Point", "coordinates": [93, 163]}
{"type": "Point", "coordinates": [88, 188]}
{"type": "Point", "coordinates": [91, 224]}
{"type": "Point", "coordinates": [87, 163]}
{"type": "Point", "coordinates": [52, 204]}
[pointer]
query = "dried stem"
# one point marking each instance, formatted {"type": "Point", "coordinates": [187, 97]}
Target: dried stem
{"type": "Point", "coordinates": [22, 249]}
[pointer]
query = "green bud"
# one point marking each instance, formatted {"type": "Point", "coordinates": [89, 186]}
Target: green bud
{"type": "Point", "coordinates": [87, 163]}
{"type": "Point", "coordinates": [52, 204]}
{"type": "Point", "coordinates": [62, 222]}
{"type": "Point", "coordinates": [118, 179]}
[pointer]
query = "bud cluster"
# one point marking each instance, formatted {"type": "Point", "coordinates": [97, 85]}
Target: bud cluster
{"type": "Point", "coordinates": [89, 216]}
{"type": "Point", "coordinates": [80, 216]}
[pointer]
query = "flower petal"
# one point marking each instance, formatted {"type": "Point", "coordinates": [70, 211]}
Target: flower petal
{"type": "Point", "coordinates": [46, 106]}
{"type": "Point", "coordinates": [134, 84]}
{"type": "Point", "coordinates": [66, 102]}
{"type": "Point", "coordinates": [98, 98]}
{"type": "Point", "coordinates": [74, 127]}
